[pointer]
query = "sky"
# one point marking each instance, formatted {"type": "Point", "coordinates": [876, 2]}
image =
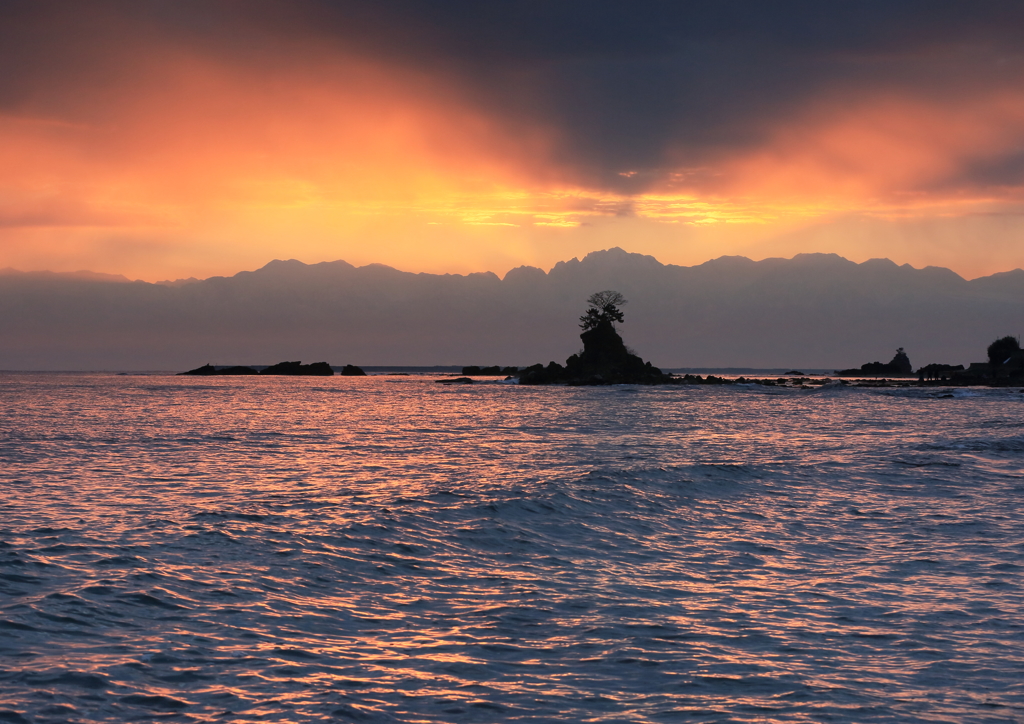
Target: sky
{"type": "Point", "coordinates": [163, 139]}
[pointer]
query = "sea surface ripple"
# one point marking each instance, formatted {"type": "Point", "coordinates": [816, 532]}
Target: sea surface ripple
{"type": "Point", "coordinates": [387, 549]}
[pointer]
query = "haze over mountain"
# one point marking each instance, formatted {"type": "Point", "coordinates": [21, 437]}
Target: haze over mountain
{"type": "Point", "coordinates": [814, 310]}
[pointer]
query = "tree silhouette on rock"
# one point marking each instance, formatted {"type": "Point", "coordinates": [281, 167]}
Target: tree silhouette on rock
{"type": "Point", "coordinates": [604, 308]}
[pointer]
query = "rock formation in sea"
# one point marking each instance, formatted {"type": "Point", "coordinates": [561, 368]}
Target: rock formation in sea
{"type": "Point", "coordinates": [898, 366]}
{"type": "Point", "coordinates": [604, 360]}
{"type": "Point", "coordinates": [352, 371]}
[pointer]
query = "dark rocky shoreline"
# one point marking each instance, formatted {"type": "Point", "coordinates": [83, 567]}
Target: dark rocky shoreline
{"type": "Point", "coordinates": [798, 383]}
{"type": "Point", "coordinates": [605, 360]}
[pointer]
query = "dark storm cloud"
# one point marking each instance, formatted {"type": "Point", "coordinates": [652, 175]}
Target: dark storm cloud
{"type": "Point", "coordinates": [627, 86]}
{"type": "Point", "coordinates": [627, 82]}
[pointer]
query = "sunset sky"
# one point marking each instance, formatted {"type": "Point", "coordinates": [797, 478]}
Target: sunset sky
{"type": "Point", "coordinates": [167, 139]}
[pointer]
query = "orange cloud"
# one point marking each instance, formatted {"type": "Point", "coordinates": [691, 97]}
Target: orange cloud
{"type": "Point", "coordinates": [197, 148]}
{"type": "Point", "coordinates": [886, 155]}
{"type": "Point", "coordinates": [166, 159]}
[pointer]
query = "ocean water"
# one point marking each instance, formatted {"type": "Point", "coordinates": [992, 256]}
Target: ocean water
{"type": "Point", "coordinates": [388, 549]}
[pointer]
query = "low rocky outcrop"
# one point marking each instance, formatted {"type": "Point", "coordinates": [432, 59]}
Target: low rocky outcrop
{"type": "Point", "coordinates": [238, 370]}
{"type": "Point", "coordinates": [316, 369]}
{"type": "Point", "coordinates": [209, 369]}
{"type": "Point", "coordinates": [494, 371]}
{"type": "Point", "coordinates": [295, 369]}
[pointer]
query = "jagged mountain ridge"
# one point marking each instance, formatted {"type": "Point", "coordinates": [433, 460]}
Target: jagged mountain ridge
{"type": "Point", "coordinates": [814, 310]}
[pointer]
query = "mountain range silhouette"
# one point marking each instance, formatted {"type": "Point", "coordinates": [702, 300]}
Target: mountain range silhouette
{"type": "Point", "coordinates": [814, 310]}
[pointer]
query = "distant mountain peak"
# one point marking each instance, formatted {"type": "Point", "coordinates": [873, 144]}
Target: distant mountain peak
{"type": "Point", "coordinates": [728, 260]}
{"type": "Point", "coordinates": [824, 258]}
{"type": "Point", "coordinates": [289, 268]}
{"type": "Point", "coordinates": [608, 259]}
{"type": "Point", "coordinates": [618, 255]}
{"type": "Point", "coordinates": [282, 264]}
{"type": "Point", "coordinates": [522, 273]}
{"type": "Point", "coordinates": [881, 262]}
{"type": "Point", "coordinates": [177, 282]}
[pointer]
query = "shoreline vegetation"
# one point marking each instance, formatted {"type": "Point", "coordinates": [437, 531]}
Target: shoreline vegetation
{"type": "Point", "coordinates": [605, 360]}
